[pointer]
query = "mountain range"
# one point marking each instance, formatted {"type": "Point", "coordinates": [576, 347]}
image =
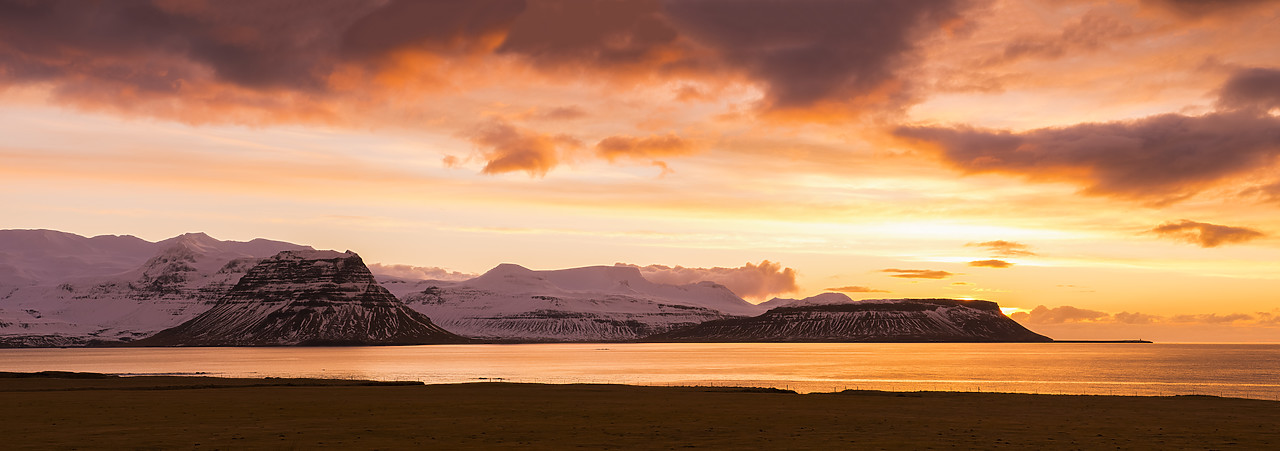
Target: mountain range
{"type": "Point", "coordinates": [61, 289]}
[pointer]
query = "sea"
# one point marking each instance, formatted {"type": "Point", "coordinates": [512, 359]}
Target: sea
{"type": "Point", "coordinates": [1147, 369]}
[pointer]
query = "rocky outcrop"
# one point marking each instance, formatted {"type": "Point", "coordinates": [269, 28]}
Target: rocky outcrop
{"type": "Point", "coordinates": [306, 298]}
{"type": "Point", "coordinates": [897, 320]}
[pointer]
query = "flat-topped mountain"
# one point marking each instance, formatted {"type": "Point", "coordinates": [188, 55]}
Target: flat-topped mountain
{"type": "Point", "coordinates": [891, 320]}
{"type": "Point", "coordinates": [306, 298]}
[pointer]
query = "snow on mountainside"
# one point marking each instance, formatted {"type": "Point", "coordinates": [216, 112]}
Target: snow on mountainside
{"type": "Point", "coordinates": [30, 257]}
{"type": "Point", "coordinates": [829, 319]}
{"type": "Point", "coordinates": [306, 297]}
{"type": "Point", "coordinates": [596, 303]}
{"type": "Point", "coordinates": [177, 279]}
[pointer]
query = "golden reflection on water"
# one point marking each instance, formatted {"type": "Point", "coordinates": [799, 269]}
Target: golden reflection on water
{"type": "Point", "coordinates": [1239, 370]}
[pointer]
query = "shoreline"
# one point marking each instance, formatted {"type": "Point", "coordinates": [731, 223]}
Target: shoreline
{"type": "Point", "coordinates": [61, 410]}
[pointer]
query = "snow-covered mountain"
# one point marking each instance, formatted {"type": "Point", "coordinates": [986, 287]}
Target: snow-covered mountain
{"type": "Point", "coordinates": [72, 290]}
{"type": "Point", "coordinates": [306, 298]}
{"type": "Point", "coordinates": [596, 303]}
{"type": "Point", "coordinates": [838, 319]}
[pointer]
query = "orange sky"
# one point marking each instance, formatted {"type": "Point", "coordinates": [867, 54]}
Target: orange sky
{"type": "Point", "coordinates": [1114, 162]}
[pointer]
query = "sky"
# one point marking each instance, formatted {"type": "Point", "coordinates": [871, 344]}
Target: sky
{"type": "Point", "coordinates": [1100, 169]}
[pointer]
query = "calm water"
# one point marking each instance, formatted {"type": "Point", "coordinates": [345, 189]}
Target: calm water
{"type": "Point", "coordinates": [1238, 370]}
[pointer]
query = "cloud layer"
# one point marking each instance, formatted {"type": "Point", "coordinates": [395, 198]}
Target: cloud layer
{"type": "Point", "coordinates": [917, 273]}
{"type": "Point", "coordinates": [751, 281]}
{"type": "Point", "coordinates": [417, 272]}
{"type": "Point", "coordinates": [856, 289]}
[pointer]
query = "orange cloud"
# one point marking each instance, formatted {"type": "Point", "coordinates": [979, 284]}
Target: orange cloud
{"type": "Point", "coordinates": [509, 149]}
{"type": "Point", "coordinates": [1005, 248]}
{"type": "Point", "coordinates": [1059, 315]}
{"type": "Point", "coordinates": [918, 273]}
{"type": "Point", "coordinates": [753, 281]}
{"type": "Point", "coordinates": [615, 147]}
{"type": "Point", "coordinates": [856, 289]}
{"type": "Point", "coordinates": [991, 263]}
{"type": "Point", "coordinates": [1205, 234]}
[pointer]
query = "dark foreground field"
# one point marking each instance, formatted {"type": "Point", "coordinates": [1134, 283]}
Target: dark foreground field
{"type": "Point", "coordinates": [208, 413]}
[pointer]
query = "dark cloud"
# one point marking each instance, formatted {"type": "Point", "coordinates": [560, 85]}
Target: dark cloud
{"type": "Point", "coordinates": [991, 263]}
{"type": "Point", "coordinates": [435, 25]}
{"type": "Point", "coordinates": [1198, 9]}
{"type": "Point", "coordinates": [808, 51]}
{"type": "Point", "coordinates": [1161, 159]}
{"type": "Point", "coordinates": [1255, 90]}
{"type": "Point", "coordinates": [757, 281]}
{"type": "Point", "coordinates": [158, 46]}
{"type": "Point", "coordinates": [918, 273]}
{"type": "Point", "coordinates": [856, 289]}
{"type": "Point", "coordinates": [1205, 234]}
{"type": "Point", "coordinates": [656, 146]}
{"type": "Point", "coordinates": [1005, 248]}
{"type": "Point", "coordinates": [266, 57]}
{"type": "Point", "coordinates": [510, 149]}
{"type": "Point", "coordinates": [593, 33]}
{"type": "Point", "coordinates": [1059, 315]}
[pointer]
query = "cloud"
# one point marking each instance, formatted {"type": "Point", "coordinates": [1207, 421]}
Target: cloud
{"type": "Point", "coordinates": [1069, 314]}
{"type": "Point", "coordinates": [1004, 248]}
{"type": "Point", "coordinates": [608, 34]}
{"type": "Point", "coordinates": [417, 272]}
{"type": "Point", "coordinates": [1205, 234]}
{"type": "Point", "coordinates": [1254, 90]}
{"type": "Point", "coordinates": [1211, 318]}
{"type": "Point", "coordinates": [991, 263]}
{"type": "Point", "coordinates": [509, 149]}
{"type": "Point", "coordinates": [1059, 315]}
{"type": "Point", "coordinates": [918, 273]}
{"type": "Point", "coordinates": [1136, 318]}
{"type": "Point", "coordinates": [615, 147]}
{"type": "Point", "coordinates": [1199, 9]}
{"type": "Point", "coordinates": [1161, 159]}
{"type": "Point", "coordinates": [440, 26]}
{"type": "Point", "coordinates": [754, 281]}
{"type": "Point", "coordinates": [562, 113]}
{"type": "Point", "coordinates": [856, 289]}
{"type": "Point", "coordinates": [1094, 30]}
{"type": "Point", "coordinates": [810, 52]}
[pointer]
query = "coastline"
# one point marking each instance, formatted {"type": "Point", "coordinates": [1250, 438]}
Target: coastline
{"type": "Point", "coordinates": [66, 410]}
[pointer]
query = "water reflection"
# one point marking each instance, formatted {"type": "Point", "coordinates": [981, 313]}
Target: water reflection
{"type": "Point", "coordinates": [1239, 370]}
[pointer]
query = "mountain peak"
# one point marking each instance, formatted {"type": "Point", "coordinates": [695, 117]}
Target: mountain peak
{"type": "Point", "coordinates": [306, 297]}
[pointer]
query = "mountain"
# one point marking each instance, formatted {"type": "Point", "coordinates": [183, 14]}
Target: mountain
{"type": "Point", "coordinates": [30, 257]}
{"type": "Point", "coordinates": [75, 290]}
{"type": "Point", "coordinates": [894, 320]}
{"type": "Point", "coordinates": [306, 298]}
{"type": "Point", "coordinates": [596, 303]}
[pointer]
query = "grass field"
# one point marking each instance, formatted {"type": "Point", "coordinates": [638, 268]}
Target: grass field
{"type": "Point", "coordinates": [210, 413]}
